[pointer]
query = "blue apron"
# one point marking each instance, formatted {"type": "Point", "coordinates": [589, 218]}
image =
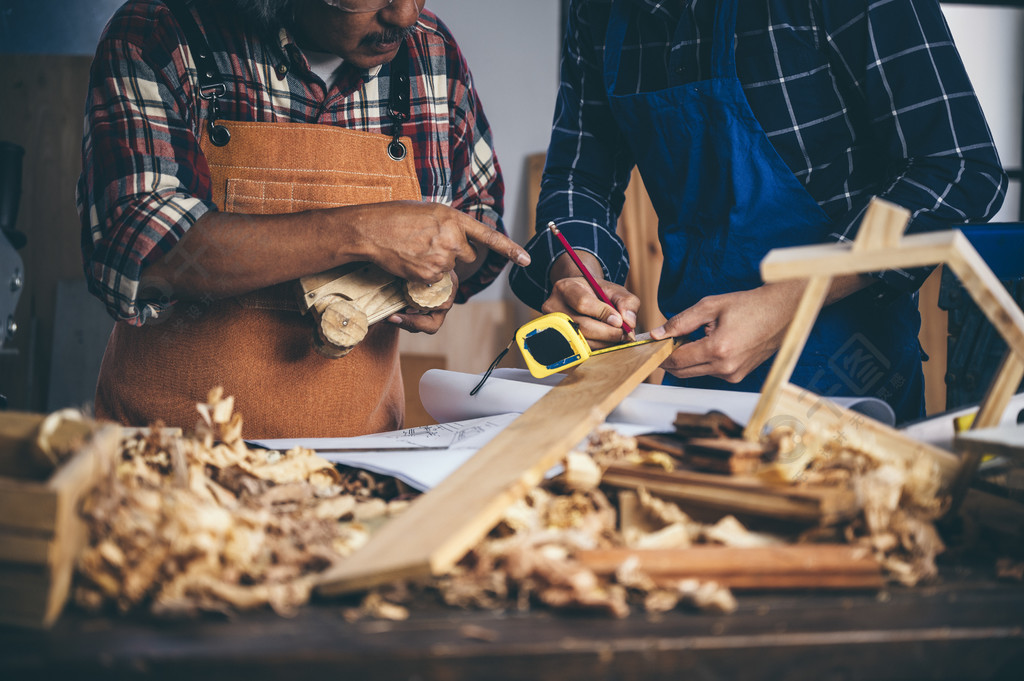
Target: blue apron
{"type": "Point", "coordinates": [724, 198]}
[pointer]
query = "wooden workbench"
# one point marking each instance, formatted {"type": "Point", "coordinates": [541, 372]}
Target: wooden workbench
{"type": "Point", "coordinates": [967, 627]}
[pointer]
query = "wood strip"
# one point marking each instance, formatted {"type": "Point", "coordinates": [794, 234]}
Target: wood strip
{"type": "Point", "coordinates": [734, 494]}
{"type": "Point", "coordinates": [883, 225]}
{"type": "Point", "coordinates": [34, 549]}
{"type": "Point", "coordinates": [1003, 386]}
{"type": "Point", "coordinates": [789, 352]}
{"type": "Point", "coordinates": [27, 506]}
{"type": "Point", "coordinates": [439, 527]}
{"type": "Point", "coordinates": [804, 262]}
{"type": "Point", "coordinates": [712, 560]}
{"type": "Point", "coordinates": [796, 566]}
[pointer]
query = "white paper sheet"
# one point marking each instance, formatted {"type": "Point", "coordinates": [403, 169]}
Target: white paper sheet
{"type": "Point", "coordinates": [420, 457]}
{"type": "Point", "coordinates": [445, 395]}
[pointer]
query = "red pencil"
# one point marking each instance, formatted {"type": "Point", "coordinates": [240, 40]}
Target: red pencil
{"type": "Point", "coordinates": [598, 291]}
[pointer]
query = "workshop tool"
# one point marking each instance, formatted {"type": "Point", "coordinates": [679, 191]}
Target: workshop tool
{"type": "Point", "coordinates": [439, 527]}
{"type": "Point", "coordinates": [553, 342]}
{"type": "Point", "coordinates": [598, 291]}
{"type": "Point", "coordinates": [347, 300]}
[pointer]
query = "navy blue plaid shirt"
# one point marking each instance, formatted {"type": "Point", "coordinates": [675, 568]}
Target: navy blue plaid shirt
{"type": "Point", "coordinates": [859, 98]}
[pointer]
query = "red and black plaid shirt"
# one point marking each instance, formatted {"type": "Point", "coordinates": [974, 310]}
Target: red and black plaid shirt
{"type": "Point", "coordinates": [144, 182]}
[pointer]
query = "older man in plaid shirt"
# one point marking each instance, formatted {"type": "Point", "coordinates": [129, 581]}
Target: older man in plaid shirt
{"type": "Point", "coordinates": [200, 202]}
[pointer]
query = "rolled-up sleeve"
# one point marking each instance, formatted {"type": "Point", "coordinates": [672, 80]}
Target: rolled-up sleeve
{"type": "Point", "coordinates": [144, 180]}
{"type": "Point", "coordinates": [478, 188]}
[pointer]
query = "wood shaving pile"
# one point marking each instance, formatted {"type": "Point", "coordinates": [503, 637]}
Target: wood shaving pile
{"type": "Point", "coordinates": [900, 501]}
{"type": "Point", "coordinates": [529, 556]}
{"type": "Point", "coordinates": [203, 523]}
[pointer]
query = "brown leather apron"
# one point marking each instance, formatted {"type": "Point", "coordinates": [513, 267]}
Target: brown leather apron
{"type": "Point", "coordinates": [259, 346]}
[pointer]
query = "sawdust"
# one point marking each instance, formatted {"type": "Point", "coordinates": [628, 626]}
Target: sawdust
{"type": "Point", "coordinates": [203, 523]}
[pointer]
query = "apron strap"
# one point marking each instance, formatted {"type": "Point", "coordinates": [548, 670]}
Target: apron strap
{"type": "Point", "coordinates": [723, 55]}
{"type": "Point", "coordinates": [398, 100]}
{"type": "Point", "coordinates": [211, 85]}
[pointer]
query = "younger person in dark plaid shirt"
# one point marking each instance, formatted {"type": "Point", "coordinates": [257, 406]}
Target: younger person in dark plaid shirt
{"type": "Point", "coordinates": [773, 130]}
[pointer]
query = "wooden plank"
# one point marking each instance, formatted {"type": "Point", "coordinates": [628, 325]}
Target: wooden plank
{"type": "Point", "coordinates": [33, 596]}
{"type": "Point", "coordinates": [638, 227]}
{"type": "Point", "coordinates": [789, 352]}
{"type": "Point", "coordinates": [882, 226]}
{"type": "Point", "coordinates": [413, 368]}
{"type": "Point", "coordinates": [804, 262]}
{"type": "Point", "coordinates": [27, 548]}
{"type": "Point", "coordinates": [796, 566]}
{"type": "Point", "coordinates": [442, 525]}
{"type": "Point", "coordinates": [29, 507]}
{"type": "Point", "coordinates": [738, 494]}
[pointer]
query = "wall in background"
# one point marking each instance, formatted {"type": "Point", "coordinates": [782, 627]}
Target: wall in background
{"type": "Point", "coordinates": [991, 44]}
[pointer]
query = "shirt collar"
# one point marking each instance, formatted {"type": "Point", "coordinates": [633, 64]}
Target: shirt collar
{"type": "Point", "coordinates": [291, 52]}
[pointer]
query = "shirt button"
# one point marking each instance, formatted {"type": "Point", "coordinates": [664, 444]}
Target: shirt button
{"type": "Point", "coordinates": [282, 70]}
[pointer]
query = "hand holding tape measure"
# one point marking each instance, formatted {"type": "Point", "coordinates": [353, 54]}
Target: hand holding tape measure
{"type": "Point", "coordinates": [553, 342]}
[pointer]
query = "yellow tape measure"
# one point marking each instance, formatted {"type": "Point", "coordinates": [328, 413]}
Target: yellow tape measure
{"type": "Point", "coordinates": [553, 342]}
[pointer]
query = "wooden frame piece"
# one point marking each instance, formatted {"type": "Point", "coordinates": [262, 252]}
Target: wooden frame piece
{"type": "Point", "coordinates": [439, 527]}
{"type": "Point", "coordinates": [880, 245]}
{"type": "Point", "coordinates": [41, 532]}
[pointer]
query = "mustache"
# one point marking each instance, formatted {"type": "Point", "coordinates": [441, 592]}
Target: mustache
{"type": "Point", "coordinates": [390, 35]}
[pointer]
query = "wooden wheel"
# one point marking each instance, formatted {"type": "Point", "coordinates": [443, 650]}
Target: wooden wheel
{"type": "Point", "coordinates": [342, 325]}
{"type": "Point", "coordinates": [429, 296]}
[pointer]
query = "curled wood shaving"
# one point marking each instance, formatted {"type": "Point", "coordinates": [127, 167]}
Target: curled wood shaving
{"type": "Point", "coordinates": [203, 523]}
{"type": "Point", "coordinates": [581, 472]}
{"type": "Point", "coordinates": [730, 532]}
{"type": "Point", "coordinates": [900, 499]}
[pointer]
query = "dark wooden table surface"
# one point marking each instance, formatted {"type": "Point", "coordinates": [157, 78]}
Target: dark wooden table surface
{"type": "Point", "coordinates": [968, 626]}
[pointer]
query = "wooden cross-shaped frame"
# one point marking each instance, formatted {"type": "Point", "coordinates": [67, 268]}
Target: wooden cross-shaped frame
{"type": "Point", "coordinates": [881, 245]}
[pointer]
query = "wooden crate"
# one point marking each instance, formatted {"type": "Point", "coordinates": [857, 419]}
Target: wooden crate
{"type": "Point", "coordinates": [41, 533]}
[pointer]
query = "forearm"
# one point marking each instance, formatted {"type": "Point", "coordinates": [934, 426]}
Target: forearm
{"type": "Point", "coordinates": [229, 254]}
{"type": "Point", "coordinates": [847, 285]}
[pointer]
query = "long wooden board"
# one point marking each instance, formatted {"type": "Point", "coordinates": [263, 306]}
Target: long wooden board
{"type": "Point", "coordinates": [442, 525]}
{"type": "Point", "coordinates": [799, 566]}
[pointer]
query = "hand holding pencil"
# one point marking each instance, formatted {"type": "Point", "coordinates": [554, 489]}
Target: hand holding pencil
{"type": "Point", "coordinates": [591, 281]}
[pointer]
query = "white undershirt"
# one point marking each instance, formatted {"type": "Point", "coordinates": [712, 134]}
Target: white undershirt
{"type": "Point", "coordinates": [324, 64]}
{"type": "Point", "coordinates": [327, 65]}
